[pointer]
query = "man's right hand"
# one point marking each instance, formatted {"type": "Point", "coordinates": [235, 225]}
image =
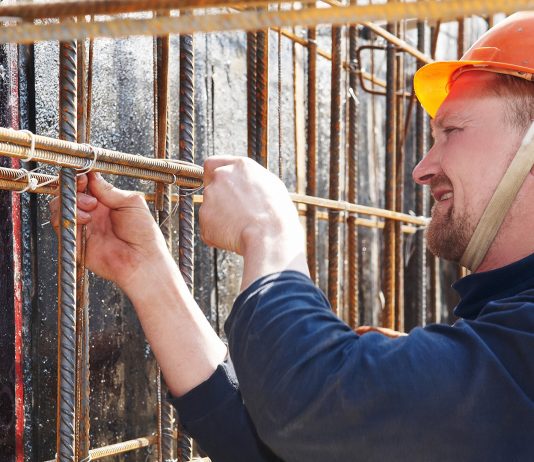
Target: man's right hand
{"type": "Point", "coordinates": [122, 236]}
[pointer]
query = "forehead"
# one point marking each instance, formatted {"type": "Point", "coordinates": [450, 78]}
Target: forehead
{"type": "Point", "coordinates": [470, 97]}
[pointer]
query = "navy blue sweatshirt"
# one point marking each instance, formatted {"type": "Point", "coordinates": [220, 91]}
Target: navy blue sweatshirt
{"type": "Point", "coordinates": [306, 388]}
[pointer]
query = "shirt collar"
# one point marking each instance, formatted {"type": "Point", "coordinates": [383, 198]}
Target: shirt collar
{"type": "Point", "coordinates": [477, 289]}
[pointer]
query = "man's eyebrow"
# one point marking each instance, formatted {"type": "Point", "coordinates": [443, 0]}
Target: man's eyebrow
{"type": "Point", "coordinates": [447, 119]}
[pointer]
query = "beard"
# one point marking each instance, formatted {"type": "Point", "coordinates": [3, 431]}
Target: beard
{"type": "Point", "coordinates": [449, 232]}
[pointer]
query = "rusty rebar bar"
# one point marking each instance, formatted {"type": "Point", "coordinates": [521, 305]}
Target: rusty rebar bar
{"type": "Point", "coordinates": [399, 192]}
{"type": "Point", "coordinates": [21, 149]}
{"type": "Point", "coordinates": [421, 198]}
{"type": "Point", "coordinates": [389, 267]}
{"type": "Point", "coordinates": [252, 130]}
{"type": "Point", "coordinates": [334, 186]}
{"type": "Point", "coordinates": [311, 155]}
{"type": "Point", "coordinates": [187, 154]}
{"type": "Point", "coordinates": [257, 20]}
{"type": "Point", "coordinates": [262, 97]}
{"type": "Point", "coordinates": [62, 9]}
{"type": "Point", "coordinates": [67, 377]}
{"type": "Point", "coordinates": [352, 190]}
{"type": "Point", "coordinates": [82, 280]}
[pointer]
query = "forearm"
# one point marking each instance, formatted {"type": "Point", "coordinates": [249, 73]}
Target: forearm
{"type": "Point", "coordinates": [187, 349]}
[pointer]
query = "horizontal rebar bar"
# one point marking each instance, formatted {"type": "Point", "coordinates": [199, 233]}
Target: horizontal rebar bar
{"type": "Point", "coordinates": [18, 179]}
{"type": "Point", "coordinates": [185, 175]}
{"type": "Point", "coordinates": [61, 9]}
{"type": "Point", "coordinates": [88, 152]}
{"type": "Point", "coordinates": [26, 33]}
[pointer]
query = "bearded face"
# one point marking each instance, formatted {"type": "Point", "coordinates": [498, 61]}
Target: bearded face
{"type": "Point", "coordinates": [449, 231]}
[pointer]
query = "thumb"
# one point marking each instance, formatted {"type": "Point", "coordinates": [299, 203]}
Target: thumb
{"type": "Point", "coordinates": [106, 193]}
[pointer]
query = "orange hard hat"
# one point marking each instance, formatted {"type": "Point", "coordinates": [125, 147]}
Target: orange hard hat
{"type": "Point", "coordinates": [507, 48]}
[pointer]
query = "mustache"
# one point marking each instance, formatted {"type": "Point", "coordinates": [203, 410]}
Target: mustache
{"type": "Point", "coordinates": [440, 180]}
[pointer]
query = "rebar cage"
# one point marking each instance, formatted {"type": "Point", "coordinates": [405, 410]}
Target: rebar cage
{"type": "Point", "coordinates": [350, 64]}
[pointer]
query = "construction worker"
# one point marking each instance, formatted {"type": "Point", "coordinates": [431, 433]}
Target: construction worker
{"type": "Point", "coordinates": [305, 386]}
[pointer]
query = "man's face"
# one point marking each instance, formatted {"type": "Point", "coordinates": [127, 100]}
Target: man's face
{"type": "Point", "coordinates": [473, 146]}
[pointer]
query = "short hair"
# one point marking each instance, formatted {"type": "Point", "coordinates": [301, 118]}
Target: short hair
{"type": "Point", "coordinates": [519, 94]}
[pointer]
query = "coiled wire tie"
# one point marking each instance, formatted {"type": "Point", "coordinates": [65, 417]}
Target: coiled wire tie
{"type": "Point", "coordinates": [31, 154]}
{"type": "Point", "coordinates": [90, 165]}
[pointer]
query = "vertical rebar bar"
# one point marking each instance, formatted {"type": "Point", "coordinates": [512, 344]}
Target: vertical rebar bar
{"type": "Point", "coordinates": [389, 266]}
{"type": "Point", "coordinates": [311, 157]}
{"type": "Point", "coordinates": [252, 130]}
{"type": "Point", "coordinates": [421, 197]}
{"type": "Point", "coordinates": [187, 153]}
{"type": "Point", "coordinates": [352, 197]}
{"type": "Point", "coordinates": [165, 410]}
{"type": "Point", "coordinates": [334, 187]}
{"type": "Point", "coordinates": [82, 281]}
{"type": "Point", "coordinates": [66, 441]}
{"type": "Point", "coordinates": [262, 97]}
{"type": "Point", "coordinates": [399, 193]}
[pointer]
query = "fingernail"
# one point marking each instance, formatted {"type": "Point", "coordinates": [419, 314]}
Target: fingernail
{"type": "Point", "coordinates": [83, 215]}
{"type": "Point", "coordinates": [98, 175]}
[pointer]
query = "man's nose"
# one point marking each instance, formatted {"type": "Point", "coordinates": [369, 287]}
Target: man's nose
{"type": "Point", "coordinates": [425, 170]}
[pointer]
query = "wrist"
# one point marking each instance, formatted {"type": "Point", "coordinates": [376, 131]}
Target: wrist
{"type": "Point", "coordinates": [268, 251]}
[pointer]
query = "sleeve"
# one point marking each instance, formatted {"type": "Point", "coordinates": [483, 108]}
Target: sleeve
{"type": "Point", "coordinates": [316, 391]}
{"type": "Point", "coordinates": [213, 413]}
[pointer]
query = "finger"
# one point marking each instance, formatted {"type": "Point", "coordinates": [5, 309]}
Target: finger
{"type": "Point", "coordinates": [86, 202]}
{"type": "Point", "coordinates": [82, 217]}
{"type": "Point", "coordinates": [106, 193]}
{"type": "Point", "coordinates": [81, 184]}
{"type": "Point", "coordinates": [213, 163]}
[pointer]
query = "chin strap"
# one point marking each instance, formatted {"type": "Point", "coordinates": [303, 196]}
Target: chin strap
{"type": "Point", "coordinates": [500, 203]}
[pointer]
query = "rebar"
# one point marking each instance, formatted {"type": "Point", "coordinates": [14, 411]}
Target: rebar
{"type": "Point", "coordinates": [311, 155]}
{"type": "Point", "coordinates": [334, 187]}
{"type": "Point", "coordinates": [187, 154]}
{"type": "Point", "coordinates": [82, 281]}
{"type": "Point", "coordinates": [421, 199]}
{"type": "Point", "coordinates": [67, 377]}
{"type": "Point", "coordinates": [62, 9]}
{"type": "Point", "coordinates": [399, 190]}
{"type": "Point", "coordinates": [262, 97]}
{"type": "Point", "coordinates": [68, 161]}
{"type": "Point", "coordinates": [352, 192]}
{"type": "Point", "coordinates": [258, 20]}
{"type": "Point", "coordinates": [252, 130]}
{"type": "Point", "coordinates": [87, 153]}
{"type": "Point", "coordinates": [388, 319]}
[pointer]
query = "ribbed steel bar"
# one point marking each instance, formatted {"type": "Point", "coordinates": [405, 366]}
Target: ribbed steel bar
{"type": "Point", "coordinates": [421, 198]}
{"type": "Point", "coordinates": [262, 97]}
{"type": "Point", "coordinates": [257, 20]}
{"type": "Point", "coordinates": [82, 283]}
{"type": "Point", "coordinates": [352, 191]}
{"type": "Point", "coordinates": [252, 130]}
{"type": "Point", "coordinates": [67, 377]}
{"type": "Point", "coordinates": [335, 154]}
{"type": "Point", "coordinates": [311, 155]}
{"type": "Point", "coordinates": [187, 154]}
{"type": "Point", "coordinates": [388, 318]}
{"type": "Point", "coordinates": [47, 148]}
{"type": "Point", "coordinates": [162, 204]}
{"type": "Point", "coordinates": [399, 191]}
{"type": "Point", "coordinates": [120, 448]}
{"type": "Point", "coordinates": [62, 9]}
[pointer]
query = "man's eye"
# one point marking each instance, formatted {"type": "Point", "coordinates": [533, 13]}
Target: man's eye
{"type": "Point", "coordinates": [449, 130]}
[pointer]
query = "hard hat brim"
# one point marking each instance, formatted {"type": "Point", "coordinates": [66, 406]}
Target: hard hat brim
{"type": "Point", "coordinates": [432, 82]}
